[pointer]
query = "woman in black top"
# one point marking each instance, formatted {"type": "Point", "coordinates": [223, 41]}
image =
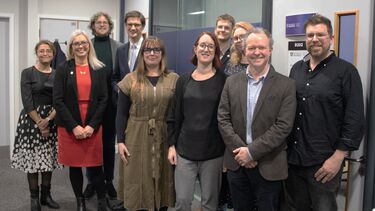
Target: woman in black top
{"type": "Point", "coordinates": [196, 146]}
{"type": "Point", "coordinates": [36, 140]}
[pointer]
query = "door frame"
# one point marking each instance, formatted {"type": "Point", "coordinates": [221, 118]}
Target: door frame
{"type": "Point", "coordinates": [12, 81]}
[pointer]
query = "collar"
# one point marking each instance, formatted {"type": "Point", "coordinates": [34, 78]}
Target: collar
{"type": "Point", "coordinates": [262, 77]}
{"type": "Point", "coordinates": [307, 58]}
{"type": "Point", "coordinates": [101, 39]}
{"type": "Point", "coordinates": [138, 44]}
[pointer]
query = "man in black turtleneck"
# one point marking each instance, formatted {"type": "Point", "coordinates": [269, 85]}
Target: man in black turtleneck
{"type": "Point", "coordinates": [105, 48]}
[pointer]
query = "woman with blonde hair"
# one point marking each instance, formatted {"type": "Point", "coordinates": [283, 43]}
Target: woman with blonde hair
{"type": "Point", "coordinates": [79, 97]}
{"type": "Point", "coordinates": [146, 178]}
{"type": "Point", "coordinates": [238, 62]}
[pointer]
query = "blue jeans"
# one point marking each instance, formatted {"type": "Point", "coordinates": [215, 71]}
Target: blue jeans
{"type": "Point", "coordinates": [304, 193]}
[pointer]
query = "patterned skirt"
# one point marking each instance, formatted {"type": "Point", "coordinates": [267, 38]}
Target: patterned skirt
{"type": "Point", "coordinates": [32, 152]}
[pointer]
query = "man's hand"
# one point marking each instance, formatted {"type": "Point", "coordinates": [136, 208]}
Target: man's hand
{"type": "Point", "coordinates": [242, 155]}
{"type": "Point", "coordinates": [330, 167]}
{"type": "Point", "coordinates": [172, 155]}
{"type": "Point", "coordinates": [124, 153]}
{"type": "Point", "coordinates": [251, 164]}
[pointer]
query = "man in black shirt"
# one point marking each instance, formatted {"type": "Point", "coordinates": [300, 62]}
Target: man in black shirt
{"type": "Point", "coordinates": [105, 48]}
{"type": "Point", "coordinates": [329, 121]}
{"type": "Point", "coordinates": [223, 33]}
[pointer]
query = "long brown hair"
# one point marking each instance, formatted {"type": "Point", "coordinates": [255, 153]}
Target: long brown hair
{"type": "Point", "coordinates": [141, 69]}
{"type": "Point", "coordinates": [216, 62]}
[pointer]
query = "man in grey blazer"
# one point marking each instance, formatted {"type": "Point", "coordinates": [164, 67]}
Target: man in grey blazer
{"type": "Point", "coordinates": [256, 114]}
{"type": "Point", "coordinates": [101, 26]}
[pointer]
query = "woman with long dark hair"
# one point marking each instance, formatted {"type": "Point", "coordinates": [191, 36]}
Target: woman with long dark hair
{"type": "Point", "coordinates": [146, 178]}
{"type": "Point", "coordinates": [35, 146]}
{"type": "Point", "coordinates": [196, 146]}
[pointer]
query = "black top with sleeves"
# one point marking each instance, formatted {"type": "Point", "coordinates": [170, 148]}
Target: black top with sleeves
{"type": "Point", "coordinates": [192, 118]}
{"type": "Point", "coordinates": [35, 88]}
{"type": "Point", "coordinates": [330, 113]}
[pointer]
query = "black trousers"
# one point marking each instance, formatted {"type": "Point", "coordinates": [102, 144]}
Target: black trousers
{"type": "Point", "coordinates": [76, 179]}
{"type": "Point", "coordinates": [109, 138]}
{"type": "Point", "coordinates": [307, 194]}
{"type": "Point", "coordinates": [250, 190]}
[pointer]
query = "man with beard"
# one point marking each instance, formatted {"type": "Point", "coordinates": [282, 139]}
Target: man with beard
{"type": "Point", "coordinates": [329, 121]}
{"type": "Point", "coordinates": [223, 33]}
{"type": "Point", "coordinates": [101, 25]}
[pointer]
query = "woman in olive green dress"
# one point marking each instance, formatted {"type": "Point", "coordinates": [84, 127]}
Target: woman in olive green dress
{"type": "Point", "coordinates": [146, 177]}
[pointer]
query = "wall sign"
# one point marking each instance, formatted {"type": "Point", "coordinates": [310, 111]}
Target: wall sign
{"type": "Point", "coordinates": [294, 24]}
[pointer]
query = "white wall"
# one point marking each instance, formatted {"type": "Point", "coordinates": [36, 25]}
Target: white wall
{"type": "Point", "coordinates": [26, 15]}
{"type": "Point", "coordinates": [142, 6]}
{"type": "Point", "coordinates": [281, 8]}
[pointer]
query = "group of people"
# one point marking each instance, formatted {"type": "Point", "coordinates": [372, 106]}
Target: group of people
{"type": "Point", "coordinates": [245, 131]}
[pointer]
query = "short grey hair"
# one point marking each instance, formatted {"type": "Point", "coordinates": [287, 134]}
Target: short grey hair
{"type": "Point", "coordinates": [259, 30]}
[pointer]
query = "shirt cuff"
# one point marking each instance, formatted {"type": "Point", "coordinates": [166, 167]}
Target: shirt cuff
{"type": "Point", "coordinates": [248, 152]}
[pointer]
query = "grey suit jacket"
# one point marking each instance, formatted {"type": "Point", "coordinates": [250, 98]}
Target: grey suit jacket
{"type": "Point", "coordinates": [273, 120]}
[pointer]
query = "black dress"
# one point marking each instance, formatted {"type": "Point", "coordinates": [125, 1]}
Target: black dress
{"type": "Point", "coordinates": [32, 153]}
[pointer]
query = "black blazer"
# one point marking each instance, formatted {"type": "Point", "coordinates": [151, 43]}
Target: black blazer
{"type": "Point", "coordinates": [65, 99]}
{"type": "Point", "coordinates": [121, 65]}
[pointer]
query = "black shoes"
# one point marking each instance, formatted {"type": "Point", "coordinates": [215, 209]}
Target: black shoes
{"type": "Point", "coordinates": [110, 190]}
{"type": "Point", "coordinates": [46, 199]}
{"type": "Point", "coordinates": [89, 191]}
{"type": "Point", "coordinates": [34, 200]}
{"type": "Point", "coordinates": [81, 206]}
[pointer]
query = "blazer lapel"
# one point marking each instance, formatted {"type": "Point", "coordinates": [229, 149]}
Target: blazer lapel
{"type": "Point", "coordinates": [243, 95]}
{"type": "Point", "coordinates": [265, 91]}
{"type": "Point", "coordinates": [72, 75]}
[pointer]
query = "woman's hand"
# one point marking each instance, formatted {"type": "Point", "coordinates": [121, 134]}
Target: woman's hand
{"type": "Point", "coordinates": [43, 124]}
{"type": "Point", "coordinates": [79, 132]}
{"type": "Point", "coordinates": [45, 132]}
{"type": "Point", "coordinates": [124, 153]}
{"type": "Point", "coordinates": [88, 131]}
{"type": "Point", "coordinates": [172, 155]}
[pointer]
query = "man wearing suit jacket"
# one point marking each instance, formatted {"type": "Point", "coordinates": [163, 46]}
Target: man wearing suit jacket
{"type": "Point", "coordinates": [127, 54]}
{"type": "Point", "coordinates": [256, 114]}
{"type": "Point", "coordinates": [223, 33]}
{"type": "Point", "coordinates": [101, 26]}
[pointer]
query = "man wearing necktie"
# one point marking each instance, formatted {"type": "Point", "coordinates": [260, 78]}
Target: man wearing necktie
{"type": "Point", "coordinates": [127, 54]}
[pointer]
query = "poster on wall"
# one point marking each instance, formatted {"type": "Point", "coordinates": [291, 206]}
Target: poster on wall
{"type": "Point", "coordinates": [294, 24]}
{"type": "Point", "coordinates": [296, 51]}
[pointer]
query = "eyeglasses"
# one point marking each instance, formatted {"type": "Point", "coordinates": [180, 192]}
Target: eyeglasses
{"type": "Point", "coordinates": [156, 51]}
{"type": "Point", "coordinates": [101, 23]}
{"type": "Point", "coordinates": [203, 46]}
{"type": "Point", "coordinates": [239, 37]}
{"type": "Point", "coordinates": [320, 36]}
{"type": "Point", "coordinates": [77, 44]}
{"type": "Point", "coordinates": [136, 25]}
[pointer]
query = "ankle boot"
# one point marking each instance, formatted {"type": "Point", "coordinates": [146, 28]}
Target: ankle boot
{"type": "Point", "coordinates": [81, 206]}
{"type": "Point", "coordinates": [46, 199]}
{"type": "Point", "coordinates": [102, 204]}
{"type": "Point", "coordinates": [34, 200]}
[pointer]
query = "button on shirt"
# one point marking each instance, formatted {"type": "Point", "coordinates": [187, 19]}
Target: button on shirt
{"type": "Point", "coordinates": [253, 90]}
{"type": "Point", "coordinates": [330, 111]}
